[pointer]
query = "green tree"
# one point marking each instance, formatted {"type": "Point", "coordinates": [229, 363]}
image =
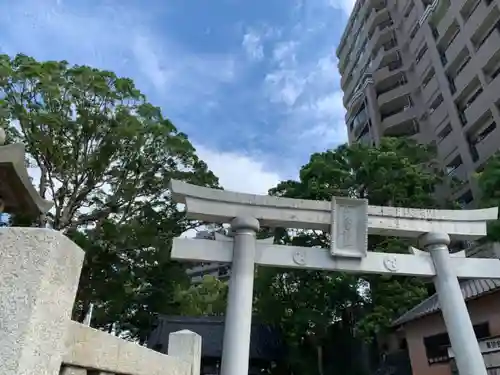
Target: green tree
{"type": "Point", "coordinates": [489, 184]}
{"type": "Point", "coordinates": [208, 298]}
{"type": "Point", "coordinates": [309, 304]}
{"type": "Point", "coordinates": [105, 156]}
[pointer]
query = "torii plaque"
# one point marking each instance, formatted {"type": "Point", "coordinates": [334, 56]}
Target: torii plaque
{"type": "Point", "coordinates": [349, 221]}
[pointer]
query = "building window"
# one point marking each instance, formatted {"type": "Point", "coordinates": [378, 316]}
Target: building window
{"type": "Point", "coordinates": [414, 30]}
{"type": "Point", "coordinates": [421, 53]}
{"type": "Point", "coordinates": [445, 132]}
{"type": "Point", "coordinates": [409, 9]}
{"type": "Point", "coordinates": [436, 347]}
{"type": "Point", "coordinates": [469, 8]}
{"type": "Point", "coordinates": [452, 166]}
{"type": "Point", "coordinates": [473, 98]}
{"type": "Point", "coordinates": [463, 201]}
{"type": "Point", "coordinates": [436, 103]}
{"type": "Point", "coordinates": [428, 77]}
{"type": "Point", "coordinates": [486, 132]}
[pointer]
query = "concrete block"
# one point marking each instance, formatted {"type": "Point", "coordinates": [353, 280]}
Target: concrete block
{"type": "Point", "coordinates": [39, 274]}
{"type": "Point", "coordinates": [70, 370]}
{"type": "Point", "coordinates": [93, 349]}
{"type": "Point", "coordinates": [186, 345]}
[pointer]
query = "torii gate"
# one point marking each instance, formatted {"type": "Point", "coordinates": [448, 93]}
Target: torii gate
{"type": "Point", "coordinates": [349, 222]}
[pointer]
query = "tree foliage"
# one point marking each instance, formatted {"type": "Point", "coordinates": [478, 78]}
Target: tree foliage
{"type": "Point", "coordinates": [105, 156]}
{"type": "Point", "coordinates": [489, 184]}
{"type": "Point", "coordinates": [208, 298]}
{"type": "Point", "coordinates": [309, 304]}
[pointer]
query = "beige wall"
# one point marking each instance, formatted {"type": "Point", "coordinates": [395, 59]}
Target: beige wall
{"type": "Point", "coordinates": [481, 310]}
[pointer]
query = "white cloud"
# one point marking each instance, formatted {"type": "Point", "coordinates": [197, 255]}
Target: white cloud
{"type": "Point", "coordinates": [307, 85]}
{"type": "Point", "coordinates": [118, 37]}
{"type": "Point", "coordinates": [344, 5]}
{"type": "Point", "coordinates": [239, 172]}
{"type": "Point", "coordinates": [252, 44]}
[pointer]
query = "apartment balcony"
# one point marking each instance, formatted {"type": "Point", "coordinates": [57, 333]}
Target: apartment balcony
{"type": "Point", "coordinates": [442, 7]}
{"type": "Point", "coordinates": [464, 77]}
{"type": "Point", "coordinates": [478, 16]}
{"type": "Point", "coordinates": [366, 139]}
{"type": "Point", "coordinates": [422, 66]}
{"type": "Point", "coordinates": [381, 35]}
{"type": "Point", "coordinates": [397, 91]}
{"type": "Point", "coordinates": [459, 173]}
{"type": "Point", "coordinates": [447, 145]}
{"type": "Point", "coordinates": [438, 116]}
{"type": "Point", "coordinates": [409, 22]}
{"type": "Point", "coordinates": [488, 146]}
{"type": "Point", "coordinates": [416, 43]}
{"type": "Point", "coordinates": [429, 90]}
{"type": "Point", "coordinates": [445, 23]}
{"type": "Point", "coordinates": [390, 70]}
{"type": "Point", "coordinates": [454, 49]}
{"type": "Point", "coordinates": [477, 109]}
{"type": "Point", "coordinates": [377, 16]}
{"type": "Point", "coordinates": [489, 48]}
{"type": "Point", "coordinates": [398, 121]}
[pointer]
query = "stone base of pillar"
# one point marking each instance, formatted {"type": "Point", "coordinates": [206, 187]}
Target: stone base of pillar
{"type": "Point", "coordinates": [39, 274]}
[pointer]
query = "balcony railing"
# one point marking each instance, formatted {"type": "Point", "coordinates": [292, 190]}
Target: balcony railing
{"type": "Point", "coordinates": [401, 82]}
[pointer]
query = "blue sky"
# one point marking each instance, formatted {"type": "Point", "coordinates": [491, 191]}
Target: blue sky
{"type": "Point", "coordinates": [254, 84]}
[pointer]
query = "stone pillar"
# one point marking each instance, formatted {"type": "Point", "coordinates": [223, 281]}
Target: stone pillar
{"type": "Point", "coordinates": [186, 345]}
{"type": "Point", "coordinates": [238, 324]}
{"type": "Point", "coordinates": [456, 317]}
{"type": "Point", "coordinates": [39, 274]}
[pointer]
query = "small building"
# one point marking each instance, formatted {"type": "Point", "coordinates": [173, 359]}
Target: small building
{"type": "Point", "coordinates": [421, 331]}
{"type": "Point", "coordinates": [266, 345]}
{"type": "Point", "coordinates": [221, 271]}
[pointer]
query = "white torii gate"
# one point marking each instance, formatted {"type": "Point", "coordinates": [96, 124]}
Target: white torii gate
{"type": "Point", "coordinates": [349, 222]}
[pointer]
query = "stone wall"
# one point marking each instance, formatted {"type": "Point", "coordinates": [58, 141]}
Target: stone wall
{"type": "Point", "coordinates": [39, 274]}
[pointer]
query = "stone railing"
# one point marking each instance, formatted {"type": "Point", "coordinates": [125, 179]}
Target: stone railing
{"type": "Point", "coordinates": [39, 274]}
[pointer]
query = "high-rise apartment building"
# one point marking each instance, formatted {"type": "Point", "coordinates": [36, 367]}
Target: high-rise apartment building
{"type": "Point", "coordinates": [429, 70]}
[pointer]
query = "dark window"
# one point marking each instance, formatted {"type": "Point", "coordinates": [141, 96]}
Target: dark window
{"type": "Point", "coordinates": [436, 103]}
{"type": "Point", "coordinates": [428, 77]}
{"type": "Point", "coordinates": [421, 53]}
{"type": "Point", "coordinates": [436, 347]}
{"type": "Point", "coordinates": [495, 73]}
{"type": "Point", "coordinates": [445, 132]}
{"type": "Point", "coordinates": [453, 165]}
{"type": "Point", "coordinates": [403, 344]}
{"type": "Point", "coordinates": [486, 132]}
{"type": "Point", "coordinates": [463, 201]}
{"type": "Point", "coordinates": [414, 30]}
{"type": "Point", "coordinates": [434, 31]}
{"type": "Point", "coordinates": [409, 9]}
{"type": "Point", "coordinates": [469, 9]}
{"type": "Point", "coordinates": [473, 98]}
{"type": "Point", "coordinates": [462, 66]}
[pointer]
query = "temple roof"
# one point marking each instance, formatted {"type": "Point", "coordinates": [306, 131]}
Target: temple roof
{"type": "Point", "coordinates": [266, 342]}
{"type": "Point", "coordinates": [471, 289]}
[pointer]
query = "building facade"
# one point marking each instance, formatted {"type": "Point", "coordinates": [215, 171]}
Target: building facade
{"type": "Point", "coordinates": [219, 270]}
{"type": "Point", "coordinates": [421, 332]}
{"type": "Point", "coordinates": [428, 70]}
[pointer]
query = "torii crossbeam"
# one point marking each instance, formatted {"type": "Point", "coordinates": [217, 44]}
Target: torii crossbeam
{"type": "Point", "coordinates": [349, 221]}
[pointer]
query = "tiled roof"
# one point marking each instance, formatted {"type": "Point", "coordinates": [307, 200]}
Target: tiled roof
{"type": "Point", "coordinates": [470, 289]}
{"type": "Point", "coordinates": [266, 342]}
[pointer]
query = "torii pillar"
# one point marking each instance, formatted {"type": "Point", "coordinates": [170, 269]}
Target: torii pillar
{"type": "Point", "coordinates": [349, 222]}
